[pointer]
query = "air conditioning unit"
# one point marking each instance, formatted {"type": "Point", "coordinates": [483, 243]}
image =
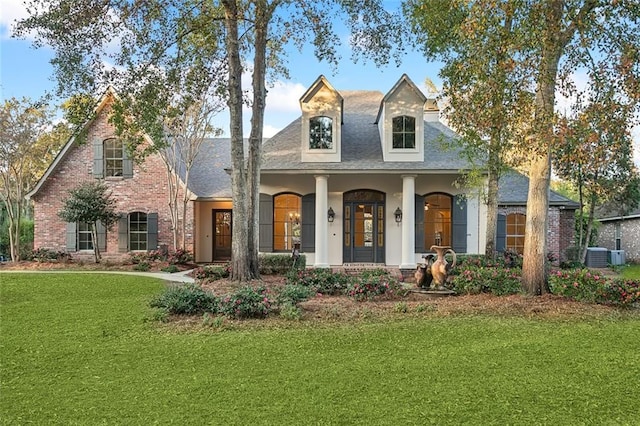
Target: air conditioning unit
{"type": "Point", "coordinates": [596, 257]}
{"type": "Point", "coordinates": [616, 257]}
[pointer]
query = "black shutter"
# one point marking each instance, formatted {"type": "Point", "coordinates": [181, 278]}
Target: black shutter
{"type": "Point", "coordinates": [501, 233]}
{"type": "Point", "coordinates": [71, 243]}
{"type": "Point", "coordinates": [308, 243]}
{"type": "Point", "coordinates": [419, 218]}
{"type": "Point", "coordinates": [101, 233]}
{"type": "Point", "coordinates": [459, 224]}
{"type": "Point", "coordinates": [127, 164]}
{"type": "Point", "coordinates": [98, 158]}
{"type": "Point", "coordinates": [265, 228]}
{"type": "Point", "coordinates": [123, 233]}
{"type": "Point", "coordinates": [152, 231]}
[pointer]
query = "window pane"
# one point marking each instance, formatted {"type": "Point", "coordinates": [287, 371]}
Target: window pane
{"type": "Point", "coordinates": [138, 231]}
{"type": "Point", "coordinates": [85, 239]}
{"type": "Point", "coordinates": [437, 220]}
{"type": "Point", "coordinates": [113, 155]}
{"type": "Point", "coordinates": [321, 133]}
{"type": "Point", "coordinates": [515, 232]}
{"type": "Point", "coordinates": [287, 221]}
{"type": "Point", "coordinates": [404, 132]}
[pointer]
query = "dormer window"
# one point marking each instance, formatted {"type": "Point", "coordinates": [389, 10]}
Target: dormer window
{"type": "Point", "coordinates": [404, 132]}
{"type": "Point", "coordinates": [321, 133]}
{"type": "Point", "coordinates": [113, 157]}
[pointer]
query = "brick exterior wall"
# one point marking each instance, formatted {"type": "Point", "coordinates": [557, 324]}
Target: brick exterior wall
{"type": "Point", "coordinates": [560, 234]}
{"type": "Point", "coordinates": [146, 192]}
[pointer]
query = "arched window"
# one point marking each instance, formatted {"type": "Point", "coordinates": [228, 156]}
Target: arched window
{"type": "Point", "coordinates": [437, 220]}
{"type": "Point", "coordinates": [404, 132]}
{"type": "Point", "coordinates": [515, 232]}
{"type": "Point", "coordinates": [321, 133]}
{"type": "Point", "coordinates": [287, 222]}
{"type": "Point", "coordinates": [113, 157]}
{"type": "Point", "coordinates": [138, 231]}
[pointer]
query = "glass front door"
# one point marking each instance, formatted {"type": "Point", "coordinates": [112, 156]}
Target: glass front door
{"type": "Point", "coordinates": [363, 228]}
{"type": "Point", "coordinates": [221, 235]}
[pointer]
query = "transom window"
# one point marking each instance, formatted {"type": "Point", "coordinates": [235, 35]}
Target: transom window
{"type": "Point", "coordinates": [287, 221]}
{"type": "Point", "coordinates": [113, 157]}
{"type": "Point", "coordinates": [85, 239]}
{"type": "Point", "coordinates": [321, 133]}
{"type": "Point", "coordinates": [404, 132]}
{"type": "Point", "coordinates": [515, 232]}
{"type": "Point", "coordinates": [138, 231]}
{"type": "Point", "coordinates": [437, 220]}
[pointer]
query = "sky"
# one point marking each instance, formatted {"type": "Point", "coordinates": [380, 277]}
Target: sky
{"type": "Point", "coordinates": [26, 72]}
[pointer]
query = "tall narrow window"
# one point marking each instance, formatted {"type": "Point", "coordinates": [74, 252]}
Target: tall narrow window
{"type": "Point", "coordinates": [515, 232]}
{"type": "Point", "coordinates": [404, 132]}
{"type": "Point", "coordinates": [138, 231]}
{"type": "Point", "coordinates": [321, 133]}
{"type": "Point", "coordinates": [618, 235]}
{"type": "Point", "coordinates": [287, 221]}
{"type": "Point", "coordinates": [113, 157]}
{"type": "Point", "coordinates": [437, 220]}
{"type": "Point", "coordinates": [85, 239]}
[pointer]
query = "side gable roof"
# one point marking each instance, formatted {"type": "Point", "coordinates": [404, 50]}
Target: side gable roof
{"type": "Point", "coordinates": [104, 100]}
{"type": "Point", "coordinates": [514, 188]}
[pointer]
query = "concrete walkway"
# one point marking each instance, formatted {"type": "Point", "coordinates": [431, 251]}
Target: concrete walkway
{"type": "Point", "coordinates": [176, 277]}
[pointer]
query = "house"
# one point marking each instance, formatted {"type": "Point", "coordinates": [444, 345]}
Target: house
{"type": "Point", "coordinates": [361, 177]}
{"type": "Point", "coordinates": [620, 232]}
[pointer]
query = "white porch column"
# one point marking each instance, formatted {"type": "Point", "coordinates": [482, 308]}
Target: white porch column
{"type": "Point", "coordinates": [408, 222]}
{"type": "Point", "coordinates": [322, 246]}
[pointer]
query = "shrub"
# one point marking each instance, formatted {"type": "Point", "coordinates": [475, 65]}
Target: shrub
{"type": "Point", "coordinates": [577, 284]}
{"type": "Point", "coordinates": [620, 291]}
{"type": "Point", "coordinates": [180, 257]}
{"type": "Point", "coordinates": [142, 266]}
{"type": "Point", "coordinates": [47, 255]}
{"type": "Point", "coordinates": [321, 280]}
{"type": "Point", "coordinates": [370, 284]}
{"type": "Point", "coordinates": [497, 280]}
{"type": "Point", "coordinates": [290, 311]}
{"type": "Point", "coordinates": [170, 269]}
{"type": "Point", "coordinates": [294, 293]}
{"type": "Point", "coordinates": [273, 264]}
{"type": "Point", "coordinates": [212, 272]}
{"type": "Point", "coordinates": [247, 302]}
{"type": "Point", "coordinates": [186, 299]}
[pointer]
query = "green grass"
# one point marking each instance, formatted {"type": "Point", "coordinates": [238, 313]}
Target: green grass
{"type": "Point", "coordinates": [631, 272]}
{"type": "Point", "coordinates": [76, 349]}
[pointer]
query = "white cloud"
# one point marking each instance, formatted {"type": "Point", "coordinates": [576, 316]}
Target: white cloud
{"type": "Point", "coordinates": [284, 96]}
{"type": "Point", "coordinates": [11, 11]}
{"type": "Point", "coordinates": [269, 131]}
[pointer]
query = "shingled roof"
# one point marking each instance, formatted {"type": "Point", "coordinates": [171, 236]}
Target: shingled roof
{"type": "Point", "coordinates": [514, 188]}
{"type": "Point", "coordinates": [361, 145]}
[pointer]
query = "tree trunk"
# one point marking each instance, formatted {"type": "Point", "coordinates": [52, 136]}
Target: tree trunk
{"type": "Point", "coordinates": [94, 239]}
{"type": "Point", "coordinates": [240, 268]}
{"type": "Point", "coordinates": [492, 201]}
{"type": "Point", "coordinates": [534, 272]}
{"type": "Point", "coordinates": [263, 16]}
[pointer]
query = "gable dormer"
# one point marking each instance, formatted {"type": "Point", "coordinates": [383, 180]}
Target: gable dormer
{"type": "Point", "coordinates": [322, 109]}
{"type": "Point", "coordinates": [401, 122]}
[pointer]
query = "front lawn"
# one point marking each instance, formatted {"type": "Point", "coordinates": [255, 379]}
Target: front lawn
{"type": "Point", "coordinates": [81, 349]}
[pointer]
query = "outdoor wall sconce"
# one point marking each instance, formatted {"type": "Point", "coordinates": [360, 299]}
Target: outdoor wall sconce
{"type": "Point", "coordinates": [398, 215]}
{"type": "Point", "coordinates": [331, 215]}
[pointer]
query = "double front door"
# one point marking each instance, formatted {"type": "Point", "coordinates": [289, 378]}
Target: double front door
{"type": "Point", "coordinates": [364, 220]}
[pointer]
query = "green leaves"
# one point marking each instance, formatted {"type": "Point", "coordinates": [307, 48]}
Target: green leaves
{"type": "Point", "coordinates": [90, 202]}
